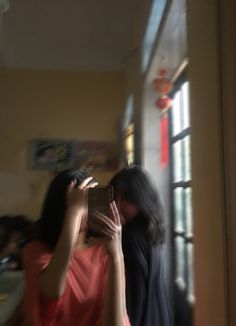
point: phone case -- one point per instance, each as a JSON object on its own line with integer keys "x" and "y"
{"x": 99, "y": 199}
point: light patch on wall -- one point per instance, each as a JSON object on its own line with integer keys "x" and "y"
{"x": 13, "y": 188}
{"x": 18, "y": 192}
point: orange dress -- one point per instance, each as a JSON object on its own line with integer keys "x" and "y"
{"x": 82, "y": 302}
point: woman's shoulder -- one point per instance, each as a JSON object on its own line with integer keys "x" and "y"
{"x": 134, "y": 233}
{"x": 35, "y": 246}
{"x": 34, "y": 250}
{"x": 136, "y": 241}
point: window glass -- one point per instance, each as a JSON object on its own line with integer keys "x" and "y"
{"x": 179, "y": 209}
{"x": 153, "y": 24}
{"x": 178, "y": 161}
{"x": 180, "y": 261}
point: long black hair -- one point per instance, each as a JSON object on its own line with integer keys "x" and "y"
{"x": 134, "y": 185}
{"x": 54, "y": 207}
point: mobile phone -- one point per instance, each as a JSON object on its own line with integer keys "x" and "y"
{"x": 99, "y": 199}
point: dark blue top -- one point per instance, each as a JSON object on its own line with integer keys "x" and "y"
{"x": 146, "y": 298}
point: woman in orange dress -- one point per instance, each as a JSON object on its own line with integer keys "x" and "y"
{"x": 70, "y": 280}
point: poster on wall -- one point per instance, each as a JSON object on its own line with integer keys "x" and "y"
{"x": 54, "y": 155}
{"x": 57, "y": 155}
{"x": 96, "y": 155}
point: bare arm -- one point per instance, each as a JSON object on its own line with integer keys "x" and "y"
{"x": 52, "y": 280}
{"x": 115, "y": 307}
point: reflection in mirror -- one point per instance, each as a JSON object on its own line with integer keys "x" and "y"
{"x": 72, "y": 79}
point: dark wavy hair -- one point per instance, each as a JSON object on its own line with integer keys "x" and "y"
{"x": 54, "y": 207}
{"x": 134, "y": 184}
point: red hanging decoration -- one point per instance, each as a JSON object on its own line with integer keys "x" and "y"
{"x": 163, "y": 103}
{"x": 163, "y": 85}
{"x": 164, "y": 140}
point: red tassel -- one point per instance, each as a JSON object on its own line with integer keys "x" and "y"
{"x": 164, "y": 140}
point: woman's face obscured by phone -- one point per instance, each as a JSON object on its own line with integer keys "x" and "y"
{"x": 127, "y": 210}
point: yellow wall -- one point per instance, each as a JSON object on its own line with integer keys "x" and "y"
{"x": 228, "y": 64}
{"x": 51, "y": 104}
{"x": 207, "y": 155}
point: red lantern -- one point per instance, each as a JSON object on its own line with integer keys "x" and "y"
{"x": 163, "y": 85}
{"x": 163, "y": 103}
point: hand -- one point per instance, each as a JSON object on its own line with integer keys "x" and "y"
{"x": 77, "y": 196}
{"x": 109, "y": 229}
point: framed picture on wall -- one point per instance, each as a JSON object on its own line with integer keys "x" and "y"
{"x": 57, "y": 155}
{"x": 49, "y": 154}
{"x": 96, "y": 155}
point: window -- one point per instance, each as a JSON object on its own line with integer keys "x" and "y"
{"x": 129, "y": 143}
{"x": 182, "y": 203}
{"x": 4, "y": 6}
{"x": 128, "y": 133}
{"x": 153, "y": 25}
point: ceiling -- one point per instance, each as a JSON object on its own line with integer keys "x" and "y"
{"x": 69, "y": 34}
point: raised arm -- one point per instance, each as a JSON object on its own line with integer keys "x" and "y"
{"x": 53, "y": 279}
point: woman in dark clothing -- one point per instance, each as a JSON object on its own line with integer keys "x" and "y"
{"x": 142, "y": 239}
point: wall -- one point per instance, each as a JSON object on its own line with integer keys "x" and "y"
{"x": 53, "y": 104}
{"x": 228, "y": 84}
{"x": 207, "y": 154}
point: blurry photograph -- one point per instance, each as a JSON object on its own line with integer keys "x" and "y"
{"x": 52, "y": 154}
{"x": 96, "y": 155}
{"x": 57, "y": 155}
